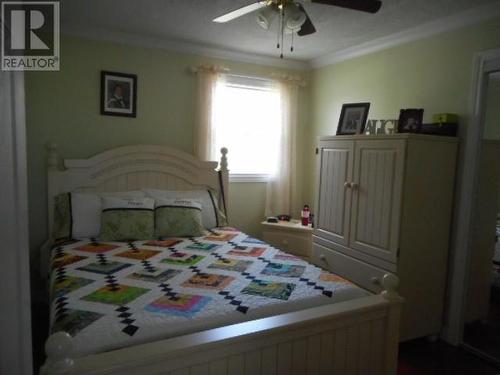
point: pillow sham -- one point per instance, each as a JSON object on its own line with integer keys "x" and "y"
{"x": 125, "y": 219}
{"x": 61, "y": 227}
{"x": 178, "y": 218}
{"x": 86, "y": 211}
{"x": 211, "y": 214}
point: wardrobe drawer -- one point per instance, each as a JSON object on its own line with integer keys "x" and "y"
{"x": 361, "y": 273}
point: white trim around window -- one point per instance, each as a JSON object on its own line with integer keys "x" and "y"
{"x": 246, "y": 112}
{"x": 240, "y": 177}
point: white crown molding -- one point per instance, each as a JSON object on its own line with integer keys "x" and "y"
{"x": 178, "y": 46}
{"x": 453, "y": 22}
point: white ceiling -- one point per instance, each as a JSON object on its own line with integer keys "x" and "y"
{"x": 190, "y": 22}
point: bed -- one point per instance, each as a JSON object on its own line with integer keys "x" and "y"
{"x": 222, "y": 303}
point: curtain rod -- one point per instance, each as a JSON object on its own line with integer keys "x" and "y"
{"x": 298, "y": 80}
{"x": 209, "y": 68}
{"x": 275, "y": 76}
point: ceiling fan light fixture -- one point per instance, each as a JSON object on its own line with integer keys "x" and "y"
{"x": 294, "y": 18}
{"x": 266, "y": 17}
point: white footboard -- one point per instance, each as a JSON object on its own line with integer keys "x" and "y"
{"x": 354, "y": 337}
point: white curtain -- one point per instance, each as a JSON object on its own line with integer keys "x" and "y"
{"x": 281, "y": 188}
{"x": 204, "y": 135}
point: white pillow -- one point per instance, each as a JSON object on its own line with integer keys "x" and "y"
{"x": 208, "y": 202}
{"x": 86, "y": 211}
{"x": 119, "y": 202}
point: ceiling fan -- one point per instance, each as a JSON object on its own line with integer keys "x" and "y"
{"x": 293, "y": 18}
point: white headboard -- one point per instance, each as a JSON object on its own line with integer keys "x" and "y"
{"x": 132, "y": 168}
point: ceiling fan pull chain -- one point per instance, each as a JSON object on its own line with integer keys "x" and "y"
{"x": 282, "y": 29}
{"x": 278, "y": 35}
{"x": 282, "y": 43}
{"x": 280, "y": 23}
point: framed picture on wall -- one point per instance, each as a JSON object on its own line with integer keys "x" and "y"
{"x": 353, "y": 118}
{"x": 118, "y": 94}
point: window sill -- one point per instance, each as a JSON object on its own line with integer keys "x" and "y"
{"x": 249, "y": 177}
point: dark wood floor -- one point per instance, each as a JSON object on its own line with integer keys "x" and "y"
{"x": 39, "y": 332}
{"x": 420, "y": 357}
{"x": 485, "y": 335}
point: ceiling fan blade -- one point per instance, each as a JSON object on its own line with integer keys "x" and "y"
{"x": 240, "y": 12}
{"x": 307, "y": 27}
{"x": 370, "y": 6}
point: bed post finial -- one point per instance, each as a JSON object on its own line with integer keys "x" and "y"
{"x": 224, "y": 180}
{"x": 53, "y": 157}
{"x": 58, "y": 348}
{"x": 390, "y": 283}
{"x": 223, "y": 159}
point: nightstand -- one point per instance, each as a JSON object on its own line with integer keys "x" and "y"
{"x": 289, "y": 236}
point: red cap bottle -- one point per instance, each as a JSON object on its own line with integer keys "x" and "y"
{"x": 304, "y": 215}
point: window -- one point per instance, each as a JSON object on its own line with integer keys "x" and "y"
{"x": 247, "y": 120}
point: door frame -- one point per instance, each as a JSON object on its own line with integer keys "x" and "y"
{"x": 485, "y": 62}
{"x": 15, "y": 325}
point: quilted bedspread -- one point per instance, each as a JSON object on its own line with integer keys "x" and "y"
{"x": 109, "y": 295}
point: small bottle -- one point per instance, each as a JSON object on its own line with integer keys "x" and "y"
{"x": 304, "y": 215}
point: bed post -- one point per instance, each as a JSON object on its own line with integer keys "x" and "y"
{"x": 58, "y": 349}
{"x": 53, "y": 157}
{"x": 224, "y": 178}
{"x": 54, "y": 165}
{"x": 390, "y": 284}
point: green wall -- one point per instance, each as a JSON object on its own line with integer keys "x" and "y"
{"x": 433, "y": 73}
{"x": 63, "y": 107}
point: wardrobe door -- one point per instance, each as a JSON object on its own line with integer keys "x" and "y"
{"x": 334, "y": 196}
{"x": 376, "y": 197}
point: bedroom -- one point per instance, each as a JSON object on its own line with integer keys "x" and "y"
{"x": 427, "y": 62}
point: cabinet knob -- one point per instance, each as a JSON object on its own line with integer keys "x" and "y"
{"x": 375, "y": 281}
{"x": 347, "y": 184}
{"x": 322, "y": 257}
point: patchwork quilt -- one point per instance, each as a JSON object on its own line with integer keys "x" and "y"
{"x": 109, "y": 295}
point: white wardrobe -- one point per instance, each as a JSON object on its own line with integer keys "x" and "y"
{"x": 384, "y": 203}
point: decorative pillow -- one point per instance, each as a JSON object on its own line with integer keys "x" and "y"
{"x": 211, "y": 215}
{"x": 86, "y": 211}
{"x": 178, "y": 218}
{"x": 125, "y": 219}
{"x": 61, "y": 229}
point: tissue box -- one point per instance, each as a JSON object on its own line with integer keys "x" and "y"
{"x": 445, "y": 118}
